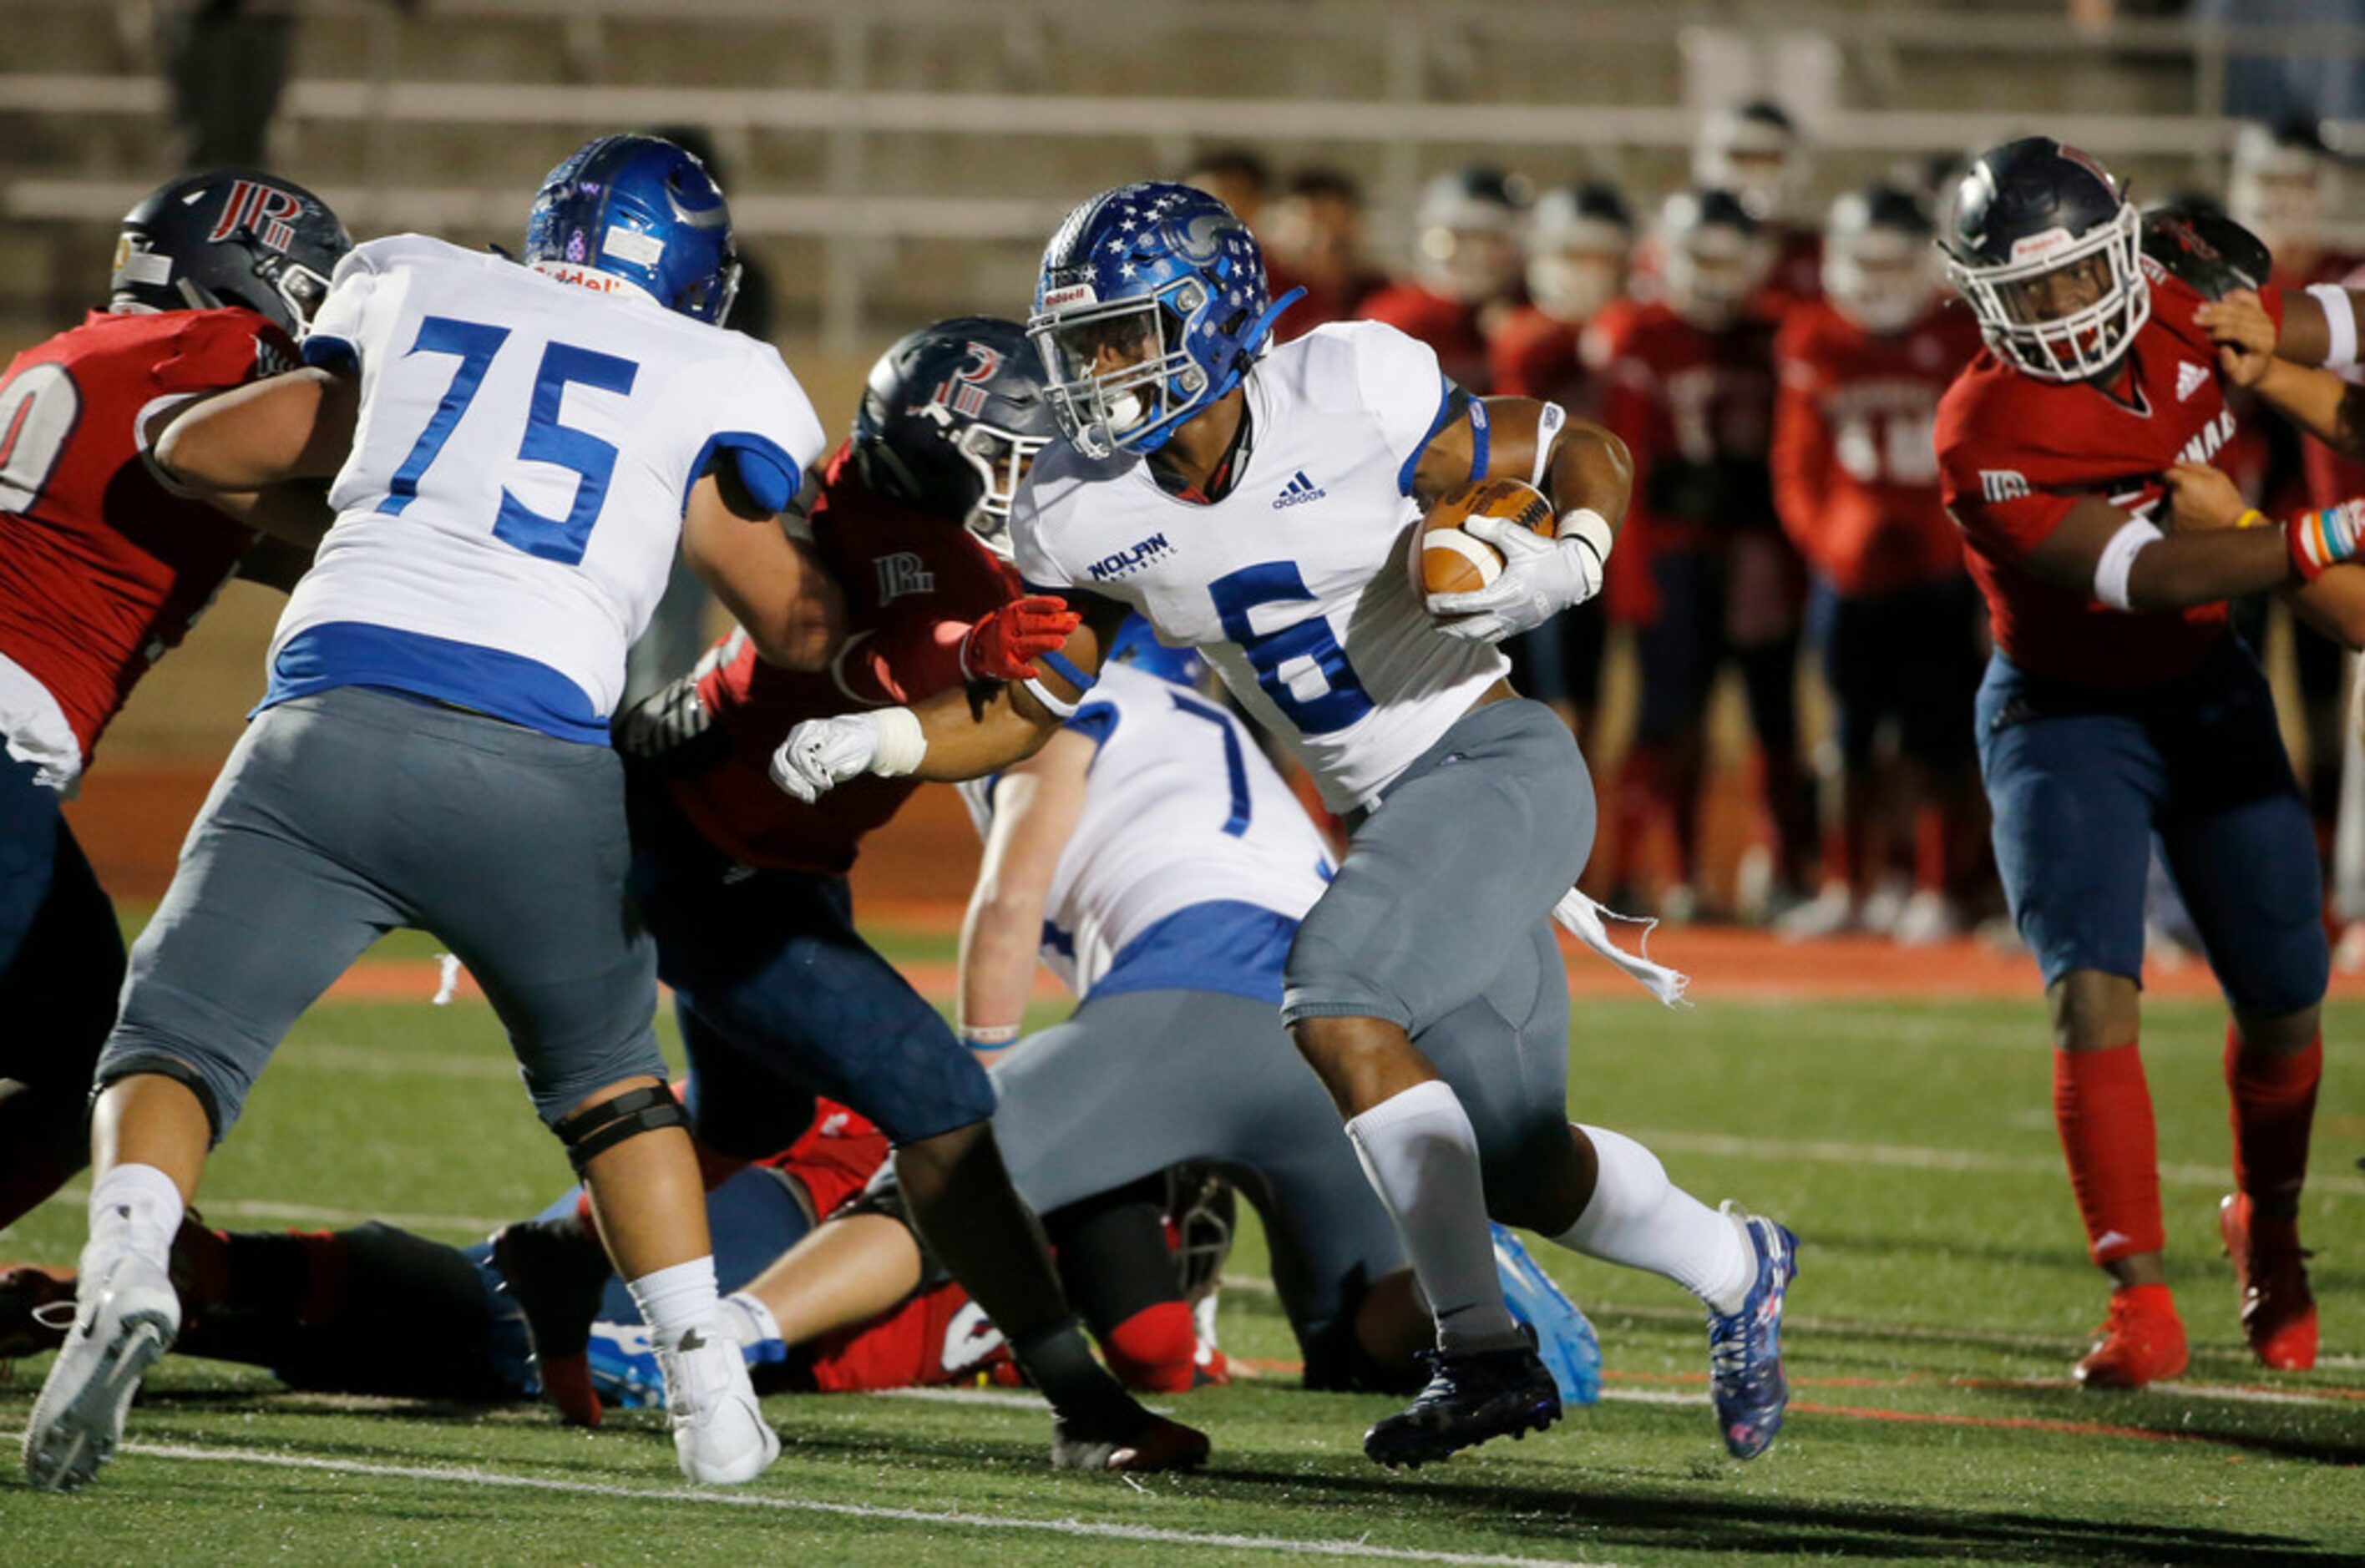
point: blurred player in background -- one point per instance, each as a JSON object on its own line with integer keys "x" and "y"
{"x": 1708, "y": 577}
{"x": 432, "y": 748}
{"x": 1315, "y": 237}
{"x": 1856, "y": 478}
{"x": 1466, "y": 273}
{"x": 745, "y": 889}
{"x": 2118, "y": 710}
{"x": 1755, "y": 151}
{"x": 102, "y": 568}
{"x": 1256, "y": 507}
{"x": 1580, "y": 239}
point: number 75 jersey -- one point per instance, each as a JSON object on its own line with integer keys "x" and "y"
{"x": 525, "y": 453}
{"x": 1293, "y": 583}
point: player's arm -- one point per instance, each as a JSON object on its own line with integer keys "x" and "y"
{"x": 2128, "y": 564}
{"x": 1036, "y": 805}
{"x": 773, "y": 586}
{"x": 298, "y": 426}
{"x": 2202, "y": 497}
{"x": 2277, "y": 361}
{"x": 1583, "y": 470}
{"x": 965, "y": 732}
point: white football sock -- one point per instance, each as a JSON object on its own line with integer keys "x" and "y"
{"x": 749, "y": 1320}
{"x": 136, "y": 1207}
{"x": 676, "y": 1300}
{"x": 1639, "y": 1218}
{"x": 1421, "y": 1154}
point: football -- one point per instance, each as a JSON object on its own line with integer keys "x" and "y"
{"x": 1450, "y": 559}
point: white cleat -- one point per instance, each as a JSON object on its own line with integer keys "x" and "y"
{"x": 126, "y": 1315}
{"x": 719, "y": 1432}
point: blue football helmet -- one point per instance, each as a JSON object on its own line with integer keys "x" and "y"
{"x": 1151, "y": 306}
{"x": 1138, "y": 645}
{"x": 951, "y": 421}
{"x": 644, "y": 212}
{"x": 2048, "y": 251}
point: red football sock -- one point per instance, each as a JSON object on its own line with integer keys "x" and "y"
{"x": 2104, "y": 1109}
{"x": 2273, "y": 1109}
{"x": 1154, "y": 1349}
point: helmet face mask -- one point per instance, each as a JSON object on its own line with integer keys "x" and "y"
{"x": 1880, "y": 269}
{"x": 1717, "y": 258}
{"x": 1151, "y": 306}
{"x": 1755, "y": 151}
{"x": 2070, "y": 311}
{"x": 1001, "y": 459}
{"x": 1580, "y": 239}
{"x": 951, "y": 421}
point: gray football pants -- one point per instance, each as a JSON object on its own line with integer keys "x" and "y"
{"x": 1440, "y": 919}
{"x": 344, "y": 815}
{"x": 1133, "y": 1084}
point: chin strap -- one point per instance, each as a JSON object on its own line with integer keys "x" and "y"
{"x": 1253, "y": 339}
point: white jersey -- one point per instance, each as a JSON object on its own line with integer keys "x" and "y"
{"x": 1294, "y": 586}
{"x": 1181, "y": 810}
{"x": 525, "y": 452}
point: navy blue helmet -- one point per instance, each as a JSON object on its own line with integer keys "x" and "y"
{"x": 637, "y": 212}
{"x": 2047, "y": 249}
{"x": 228, "y": 237}
{"x": 1880, "y": 267}
{"x": 1151, "y": 306}
{"x": 952, "y": 418}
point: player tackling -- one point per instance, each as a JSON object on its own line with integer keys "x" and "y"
{"x": 1257, "y": 509}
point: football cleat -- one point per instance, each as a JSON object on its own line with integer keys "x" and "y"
{"x": 720, "y": 1435}
{"x": 2142, "y": 1341}
{"x": 1746, "y": 1382}
{"x": 1471, "y": 1395}
{"x": 1565, "y": 1341}
{"x": 2277, "y": 1308}
{"x": 127, "y": 1317}
{"x": 1160, "y": 1444}
{"x": 556, "y": 1275}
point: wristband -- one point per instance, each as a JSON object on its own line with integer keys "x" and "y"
{"x": 1587, "y": 527}
{"x": 992, "y": 1039}
{"x": 2313, "y": 543}
{"x": 2251, "y": 518}
{"x": 902, "y": 744}
{"x": 2340, "y": 326}
{"x": 2118, "y": 561}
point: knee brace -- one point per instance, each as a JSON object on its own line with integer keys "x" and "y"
{"x": 591, "y": 1132}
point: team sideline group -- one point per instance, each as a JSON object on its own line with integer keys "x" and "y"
{"x": 1040, "y": 554}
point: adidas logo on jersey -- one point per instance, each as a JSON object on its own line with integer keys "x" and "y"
{"x": 1299, "y": 491}
{"x": 2189, "y": 378}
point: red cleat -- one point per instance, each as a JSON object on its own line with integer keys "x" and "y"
{"x": 2278, "y": 1309}
{"x": 2142, "y": 1342}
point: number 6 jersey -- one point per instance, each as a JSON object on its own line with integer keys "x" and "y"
{"x": 1293, "y": 583}
{"x": 525, "y": 453}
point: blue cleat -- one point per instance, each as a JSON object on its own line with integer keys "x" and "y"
{"x": 623, "y": 1366}
{"x": 1744, "y": 1348}
{"x": 1565, "y": 1341}
{"x": 1471, "y": 1395}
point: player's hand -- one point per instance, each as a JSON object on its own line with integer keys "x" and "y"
{"x": 2245, "y": 335}
{"x": 821, "y": 754}
{"x": 1541, "y": 578}
{"x": 2202, "y": 497}
{"x": 1005, "y": 645}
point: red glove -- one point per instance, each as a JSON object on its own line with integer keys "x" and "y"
{"x": 1007, "y": 643}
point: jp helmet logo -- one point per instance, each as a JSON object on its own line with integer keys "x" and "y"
{"x": 265, "y": 211}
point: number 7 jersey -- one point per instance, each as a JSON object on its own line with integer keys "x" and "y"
{"x": 1294, "y": 584}
{"x": 525, "y": 453}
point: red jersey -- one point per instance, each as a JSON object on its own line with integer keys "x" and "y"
{"x": 1453, "y": 330}
{"x": 1695, "y": 407}
{"x": 102, "y": 569}
{"x": 836, "y": 1158}
{"x": 1855, "y": 472}
{"x": 1796, "y": 276}
{"x": 2016, "y": 454}
{"x": 915, "y": 584}
{"x": 1536, "y": 354}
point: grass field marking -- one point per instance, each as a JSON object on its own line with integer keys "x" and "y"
{"x": 456, "y": 1475}
{"x": 1914, "y": 1157}
{"x": 308, "y": 1213}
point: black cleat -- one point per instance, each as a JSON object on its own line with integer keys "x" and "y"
{"x": 1471, "y": 1397}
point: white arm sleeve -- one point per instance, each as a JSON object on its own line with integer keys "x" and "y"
{"x": 2340, "y": 321}
{"x": 2118, "y": 559}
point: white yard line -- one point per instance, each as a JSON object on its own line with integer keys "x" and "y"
{"x": 454, "y": 1475}
{"x": 310, "y": 1214}
{"x": 1914, "y": 1157}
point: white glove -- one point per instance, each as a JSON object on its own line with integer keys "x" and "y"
{"x": 1541, "y": 578}
{"x": 821, "y": 754}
